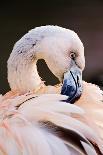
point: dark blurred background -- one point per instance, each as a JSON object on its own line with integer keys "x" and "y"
{"x": 83, "y": 16}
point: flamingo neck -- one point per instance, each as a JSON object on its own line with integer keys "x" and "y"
{"x": 23, "y": 75}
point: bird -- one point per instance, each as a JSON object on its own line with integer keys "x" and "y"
{"x": 36, "y": 119}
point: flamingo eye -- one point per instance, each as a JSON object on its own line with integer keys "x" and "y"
{"x": 72, "y": 55}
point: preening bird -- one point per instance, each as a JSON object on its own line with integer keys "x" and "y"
{"x": 36, "y": 119}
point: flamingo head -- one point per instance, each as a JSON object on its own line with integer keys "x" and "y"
{"x": 62, "y": 51}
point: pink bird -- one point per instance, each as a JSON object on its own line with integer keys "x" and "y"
{"x": 35, "y": 119}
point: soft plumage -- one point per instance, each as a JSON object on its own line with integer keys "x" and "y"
{"x": 36, "y": 119}
{"x": 33, "y": 122}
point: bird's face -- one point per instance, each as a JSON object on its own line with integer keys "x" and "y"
{"x": 64, "y": 55}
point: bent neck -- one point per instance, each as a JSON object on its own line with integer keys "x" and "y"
{"x": 22, "y": 74}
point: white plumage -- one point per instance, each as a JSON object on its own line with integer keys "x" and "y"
{"x": 34, "y": 119}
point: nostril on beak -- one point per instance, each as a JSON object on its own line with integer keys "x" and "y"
{"x": 78, "y": 81}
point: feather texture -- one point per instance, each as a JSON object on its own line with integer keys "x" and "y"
{"x": 36, "y": 124}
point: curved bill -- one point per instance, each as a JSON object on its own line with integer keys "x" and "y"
{"x": 72, "y": 84}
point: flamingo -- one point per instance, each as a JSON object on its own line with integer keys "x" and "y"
{"x": 36, "y": 119}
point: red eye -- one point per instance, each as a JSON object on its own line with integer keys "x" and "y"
{"x": 72, "y": 55}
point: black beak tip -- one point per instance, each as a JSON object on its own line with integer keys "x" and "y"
{"x": 72, "y": 94}
{"x": 67, "y": 89}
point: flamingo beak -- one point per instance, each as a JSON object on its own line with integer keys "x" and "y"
{"x": 72, "y": 84}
